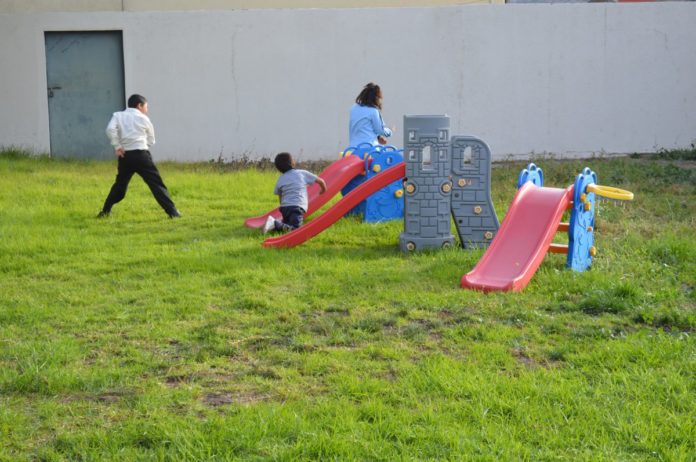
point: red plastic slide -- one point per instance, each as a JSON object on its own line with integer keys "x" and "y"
{"x": 336, "y": 175}
{"x": 522, "y": 240}
{"x": 340, "y": 208}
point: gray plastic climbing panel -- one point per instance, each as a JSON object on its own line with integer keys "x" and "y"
{"x": 471, "y": 204}
{"x": 427, "y": 186}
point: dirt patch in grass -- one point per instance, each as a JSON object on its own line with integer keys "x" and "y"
{"x": 200, "y": 377}
{"x": 532, "y": 363}
{"x": 173, "y": 381}
{"x": 107, "y": 397}
{"x": 524, "y": 359}
{"x": 217, "y": 399}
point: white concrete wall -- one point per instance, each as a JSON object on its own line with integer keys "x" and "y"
{"x": 35, "y": 6}
{"x": 571, "y": 79}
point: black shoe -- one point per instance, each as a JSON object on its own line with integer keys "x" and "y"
{"x": 103, "y": 214}
{"x": 175, "y": 214}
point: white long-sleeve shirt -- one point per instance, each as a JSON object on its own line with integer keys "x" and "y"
{"x": 130, "y": 129}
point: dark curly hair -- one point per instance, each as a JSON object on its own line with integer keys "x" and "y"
{"x": 371, "y": 96}
{"x": 283, "y": 162}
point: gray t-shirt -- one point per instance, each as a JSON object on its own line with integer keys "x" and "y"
{"x": 292, "y": 188}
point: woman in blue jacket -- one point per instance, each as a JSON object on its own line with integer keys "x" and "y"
{"x": 366, "y": 124}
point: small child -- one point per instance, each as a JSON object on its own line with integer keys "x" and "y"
{"x": 291, "y": 188}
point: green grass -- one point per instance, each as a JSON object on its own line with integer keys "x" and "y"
{"x": 137, "y": 337}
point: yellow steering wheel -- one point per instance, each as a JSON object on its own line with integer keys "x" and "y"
{"x": 608, "y": 191}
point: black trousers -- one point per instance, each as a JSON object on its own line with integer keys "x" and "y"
{"x": 139, "y": 161}
{"x": 293, "y": 217}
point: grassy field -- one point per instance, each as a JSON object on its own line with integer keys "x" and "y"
{"x": 138, "y": 337}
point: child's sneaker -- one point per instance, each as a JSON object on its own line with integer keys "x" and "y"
{"x": 269, "y": 225}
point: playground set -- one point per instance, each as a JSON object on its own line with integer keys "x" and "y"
{"x": 437, "y": 177}
{"x": 529, "y": 227}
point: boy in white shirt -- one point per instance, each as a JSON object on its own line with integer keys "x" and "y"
{"x": 131, "y": 134}
{"x": 291, "y": 188}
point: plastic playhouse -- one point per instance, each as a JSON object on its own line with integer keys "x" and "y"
{"x": 387, "y": 203}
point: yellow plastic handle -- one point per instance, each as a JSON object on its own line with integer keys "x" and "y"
{"x": 611, "y": 193}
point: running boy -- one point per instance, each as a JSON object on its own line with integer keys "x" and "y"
{"x": 131, "y": 134}
{"x": 291, "y": 188}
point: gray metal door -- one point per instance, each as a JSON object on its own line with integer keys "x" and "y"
{"x": 85, "y": 86}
